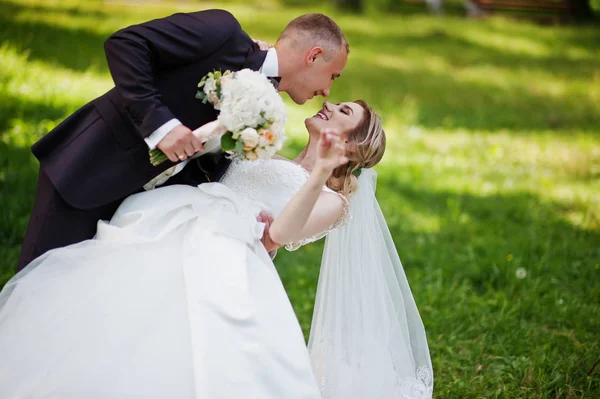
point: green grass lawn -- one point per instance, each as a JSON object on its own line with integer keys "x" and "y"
{"x": 493, "y": 165}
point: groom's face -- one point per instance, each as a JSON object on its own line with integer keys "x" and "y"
{"x": 315, "y": 76}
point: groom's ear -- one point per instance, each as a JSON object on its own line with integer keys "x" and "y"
{"x": 313, "y": 54}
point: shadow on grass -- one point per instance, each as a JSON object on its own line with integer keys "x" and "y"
{"x": 442, "y": 101}
{"x": 466, "y": 253}
{"x": 475, "y": 234}
{"x": 76, "y": 49}
{"x": 11, "y": 8}
{"x": 456, "y": 95}
{"x": 461, "y": 52}
{"x": 443, "y": 98}
{"x": 15, "y": 109}
{"x": 18, "y": 177}
{"x": 23, "y": 121}
{"x": 585, "y": 35}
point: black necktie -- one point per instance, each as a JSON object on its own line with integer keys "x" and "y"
{"x": 275, "y": 81}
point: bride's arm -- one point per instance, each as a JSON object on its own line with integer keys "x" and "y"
{"x": 312, "y": 210}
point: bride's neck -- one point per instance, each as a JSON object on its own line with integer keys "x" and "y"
{"x": 308, "y": 156}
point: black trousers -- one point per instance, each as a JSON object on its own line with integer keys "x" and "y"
{"x": 54, "y": 223}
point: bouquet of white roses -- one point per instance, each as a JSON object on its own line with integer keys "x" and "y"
{"x": 252, "y": 114}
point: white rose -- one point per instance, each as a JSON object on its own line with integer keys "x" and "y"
{"x": 210, "y": 85}
{"x": 212, "y": 96}
{"x": 226, "y": 78}
{"x": 277, "y": 127}
{"x": 263, "y": 153}
{"x": 250, "y": 138}
{"x": 251, "y": 156}
{"x": 263, "y": 140}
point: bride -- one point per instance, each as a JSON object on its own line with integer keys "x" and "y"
{"x": 176, "y": 297}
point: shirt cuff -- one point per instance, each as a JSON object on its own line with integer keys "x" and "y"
{"x": 160, "y": 133}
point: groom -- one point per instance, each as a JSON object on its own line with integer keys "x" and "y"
{"x": 99, "y": 155}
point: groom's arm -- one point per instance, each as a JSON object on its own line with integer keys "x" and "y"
{"x": 136, "y": 53}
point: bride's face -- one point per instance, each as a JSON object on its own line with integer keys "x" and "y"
{"x": 342, "y": 117}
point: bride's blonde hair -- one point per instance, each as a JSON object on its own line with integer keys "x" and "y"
{"x": 365, "y": 145}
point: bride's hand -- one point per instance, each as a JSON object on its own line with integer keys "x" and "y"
{"x": 331, "y": 152}
{"x": 264, "y": 46}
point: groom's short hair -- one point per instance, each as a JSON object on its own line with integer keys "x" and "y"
{"x": 319, "y": 27}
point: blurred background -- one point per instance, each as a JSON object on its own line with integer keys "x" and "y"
{"x": 490, "y": 184}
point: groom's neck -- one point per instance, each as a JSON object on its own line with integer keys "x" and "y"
{"x": 288, "y": 60}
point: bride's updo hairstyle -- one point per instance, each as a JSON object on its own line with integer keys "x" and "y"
{"x": 365, "y": 145}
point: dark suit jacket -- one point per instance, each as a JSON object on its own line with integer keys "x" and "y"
{"x": 98, "y": 155}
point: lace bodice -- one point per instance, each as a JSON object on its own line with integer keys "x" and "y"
{"x": 268, "y": 185}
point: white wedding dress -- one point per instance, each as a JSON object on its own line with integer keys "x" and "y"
{"x": 174, "y": 298}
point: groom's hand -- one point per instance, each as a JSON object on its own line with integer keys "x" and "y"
{"x": 270, "y": 245}
{"x": 180, "y": 144}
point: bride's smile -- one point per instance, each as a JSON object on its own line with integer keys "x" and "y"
{"x": 342, "y": 117}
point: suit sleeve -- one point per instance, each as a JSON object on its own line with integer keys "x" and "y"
{"x": 135, "y": 55}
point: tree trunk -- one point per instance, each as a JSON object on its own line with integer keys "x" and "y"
{"x": 582, "y": 9}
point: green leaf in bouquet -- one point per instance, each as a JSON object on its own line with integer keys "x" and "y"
{"x": 202, "y": 82}
{"x": 200, "y": 95}
{"x": 239, "y": 146}
{"x": 219, "y": 90}
{"x": 261, "y": 126}
{"x": 227, "y": 142}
